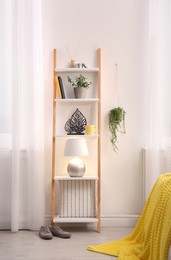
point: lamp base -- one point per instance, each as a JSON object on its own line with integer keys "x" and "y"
{"x": 76, "y": 167}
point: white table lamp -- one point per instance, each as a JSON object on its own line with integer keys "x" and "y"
{"x": 76, "y": 147}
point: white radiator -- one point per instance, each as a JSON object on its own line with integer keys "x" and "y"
{"x": 162, "y": 162}
{"x": 76, "y": 199}
{"x": 5, "y": 187}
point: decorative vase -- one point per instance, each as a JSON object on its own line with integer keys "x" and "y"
{"x": 80, "y": 92}
{"x": 73, "y": 64}
{"x": 90, "y": 130}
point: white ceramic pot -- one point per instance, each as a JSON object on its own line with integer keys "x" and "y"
{"x": 80, "y": 92}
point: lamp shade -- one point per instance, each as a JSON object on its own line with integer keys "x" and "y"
{"x": 76, "y": 147}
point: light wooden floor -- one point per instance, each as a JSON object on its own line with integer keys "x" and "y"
{"x": 27, "y": 245}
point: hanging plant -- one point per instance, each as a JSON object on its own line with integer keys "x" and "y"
{"x": 116, "y": 124}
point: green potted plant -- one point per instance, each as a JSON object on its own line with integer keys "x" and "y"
{"x": 116, "y": 124}
{"x": 80, "y": 85}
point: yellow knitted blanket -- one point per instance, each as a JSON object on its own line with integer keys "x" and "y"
{"x": 151, "y": 237}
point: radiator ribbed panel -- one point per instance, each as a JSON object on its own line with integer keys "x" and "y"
{"x": 163, "y": 160}
{"x": 5, "y": 185}
{"x": 166, "y": 161}
{"x": 76, "y": 199}
{"x": 6, "y": 188}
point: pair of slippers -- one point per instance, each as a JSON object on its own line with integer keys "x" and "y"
{"x": 48, "y": 232}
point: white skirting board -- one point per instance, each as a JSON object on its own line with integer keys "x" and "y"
{"x": 119, "y": 221}
{"x": 110, "y": 221}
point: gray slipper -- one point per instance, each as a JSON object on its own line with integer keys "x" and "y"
{"x": 58, "y": 232}
{"x": 45, "y": 233}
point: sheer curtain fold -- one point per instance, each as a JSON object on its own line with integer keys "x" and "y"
{"x": 158, "y": 146}
{"x": 25, "y": 87}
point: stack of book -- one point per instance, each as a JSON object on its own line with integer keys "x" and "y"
{"x": 60, "y": 87}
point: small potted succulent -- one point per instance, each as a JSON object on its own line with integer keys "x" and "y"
{"x": 116, "y": 124}
{"x": 80, "y": 85}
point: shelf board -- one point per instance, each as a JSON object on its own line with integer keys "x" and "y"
{"x": 64, "y": 70}
{"x": 76, "y": 136}
{"x": 74, "y": 220}
{"x": 76, "y": 100}
{"x": 68, "y": 178}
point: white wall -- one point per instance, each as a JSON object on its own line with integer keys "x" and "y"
{"x": 116, "y": 26}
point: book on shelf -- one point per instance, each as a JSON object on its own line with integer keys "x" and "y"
{"x": 61, "y": 87}
{"x": 58, "y": 88}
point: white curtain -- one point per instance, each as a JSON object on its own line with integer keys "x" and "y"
{"x": 21, "y": 115}
{"x": 158, "y": 107}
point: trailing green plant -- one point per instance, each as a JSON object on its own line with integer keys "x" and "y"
{"x": 80, "y": 81}
{"x": 116, "y": 124}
